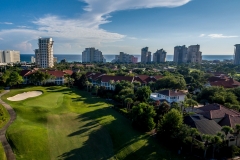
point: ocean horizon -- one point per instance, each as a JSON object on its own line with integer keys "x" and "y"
{"x": 110, "y": 57}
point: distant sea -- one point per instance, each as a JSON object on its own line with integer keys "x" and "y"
{"x": 109, "y": 58}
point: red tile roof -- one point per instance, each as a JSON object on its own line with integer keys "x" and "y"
{"x": 94, "y": 76}
{"x": 230, "y": 120}
{"x": 171, "y": 93}
{"x": 107, "y": 78}
{"x": 69, "y": 72}
{"x": 216, "y": 111}
{"x": 146, "y": 78}
{"x": 230, "y": 83}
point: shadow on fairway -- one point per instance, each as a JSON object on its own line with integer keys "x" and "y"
{"x": 111, "y": 137}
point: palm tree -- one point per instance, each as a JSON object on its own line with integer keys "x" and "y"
{"x": 191, "y": 103}
{"x": 136, "y": 84}
{"x": 129, "y": 101}
{"x": 207, "y": 139}
{"x": 193, "y": 133}
{"x": 237, "y": 128}
{"x": 87, "y": 83}
{"x": 216, "y": 141}
{"x": 226, "y": 130}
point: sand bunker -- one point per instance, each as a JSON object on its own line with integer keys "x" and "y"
{"x": 24, "y": 95}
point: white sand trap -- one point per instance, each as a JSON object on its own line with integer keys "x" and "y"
{"x": 24, "y": 95}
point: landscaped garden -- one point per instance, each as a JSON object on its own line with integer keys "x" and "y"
{"x": 65, "y": 123}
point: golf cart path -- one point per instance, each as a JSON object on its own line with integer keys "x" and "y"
{"x": 7, "y": 148}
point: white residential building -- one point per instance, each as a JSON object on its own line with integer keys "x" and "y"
{"x": 44, "y": 54}
{"x": 90, "y": 55}
{"x": 169, "y": 96}
{"x": 9, "y": 56}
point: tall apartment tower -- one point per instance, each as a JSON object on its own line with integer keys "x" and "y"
{"x": 44, "y": 53}
{"x": 145, "y": 55}
{"x": 237, "y": 54}
{"x": 90, "y": 55}
{"x": 180, "y": 54}
{"x": 9, "y": 56}
{"x": 194, "y": 54}
{"x": 159, "y": 56}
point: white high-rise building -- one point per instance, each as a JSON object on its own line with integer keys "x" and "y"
{"x": 237, "y": 54}
{"x": 90, "y": 55}
{"x": 194, "y": 54}
{"x": 145, "y": 55}
{"x": 9, "y": 56}
{"x": 44, "y": 54}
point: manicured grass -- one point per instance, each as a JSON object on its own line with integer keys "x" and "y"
{"x": 2, "y": 153}
{"x": 66, "y": 123}
{"x": 4, "y": 116}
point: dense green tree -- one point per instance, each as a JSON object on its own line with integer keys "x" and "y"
{"x": 82, "y": 81}
{"x": 143, "y": 94}
{"x": 171, "y": 82}
{"x": 14, "y": 79}
{"x": 39, "y": 77}
{"x": 143, "y": 115}
{"x": 237, "y": 129}
{"x": 191, "y": 103}
{"x": 193, "y": 133}
{"x": 128, "y": 101}
{"x": 170, "y": 124}
{"x": 207, "y": 141}
{"x": 122, "y": 85}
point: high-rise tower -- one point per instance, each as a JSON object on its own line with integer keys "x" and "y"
{"x": 44, "y": 53}
{"x": 237, "y": 54}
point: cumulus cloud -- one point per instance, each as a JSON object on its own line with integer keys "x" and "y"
{"x": 220, "y": 36}
{"x": 6, "y": 23}
{"x": 201, "y": 35}
{"x": 84, "y": 31}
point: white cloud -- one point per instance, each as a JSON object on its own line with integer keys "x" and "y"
{"x": 23, "y": 27}
{"x": 220, "y": 36}
{"x": 84, "y": 31}
{"x": 201, "y": 35}
{"x": 1, "y": 38}
{"x": 6, "y": 23}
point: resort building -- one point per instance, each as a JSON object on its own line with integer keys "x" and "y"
{"x": 44, "y": 53}
{"x": 180, "y": 54}
{"x": 90, "y": 55}
{"x": 145, "y": 55}
{"x": 9, "y": 56}
{"x": 237, "y": 54}
{"x": 125, "y": 58}
{"x": 194, "y": 54}
{"x": 159, "y": 56}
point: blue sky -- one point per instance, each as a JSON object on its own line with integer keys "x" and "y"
{"x": 114, "y": 26}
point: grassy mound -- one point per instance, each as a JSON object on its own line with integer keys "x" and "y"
{"x": 66, "y": 123}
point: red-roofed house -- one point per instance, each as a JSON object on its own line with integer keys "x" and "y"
{"x": 222, "y": 80}
{"x": 145, "y": 79}
{"x": 58, "y": 79}
{"x": 106, "y": 79}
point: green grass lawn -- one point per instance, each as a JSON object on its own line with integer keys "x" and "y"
{"x": 4, "y": 118}
{"x": 67, "y": 123}
{"x": 2, "y": 153}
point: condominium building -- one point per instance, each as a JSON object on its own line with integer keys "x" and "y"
{"x": 125, "y": 58}
{"x": 9, "y": 56}
{"x": 145, "y": 55}
{"x": 237, "y": 54}
{"x": 90, "y": 55}
{"x": 159, "y": 56}
{"x": 180, "y": 54}
{"x": 44, "y": 53}
{"x": 194, "y": 54}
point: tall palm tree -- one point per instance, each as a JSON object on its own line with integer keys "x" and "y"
{"x": 207, "y": 139}
{"x": 193, "y": 133}
{"x": 129, "y": 101}
{"x": 191, "y": 103}
{"x": 216, "y": 141}
{"x": 237, "y": 128}
{"x": 227, "y": 130}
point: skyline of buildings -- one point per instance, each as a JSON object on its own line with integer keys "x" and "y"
{"x": 91, "y": 54}
{"x": 44, "y": 54}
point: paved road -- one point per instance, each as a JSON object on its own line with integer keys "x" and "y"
{"x": 8, "y": 150}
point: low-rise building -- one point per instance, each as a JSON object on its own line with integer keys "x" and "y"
{"x": 169, "y": 95}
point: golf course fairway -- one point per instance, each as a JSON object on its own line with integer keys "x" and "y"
{"x": 65, "y": 123}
